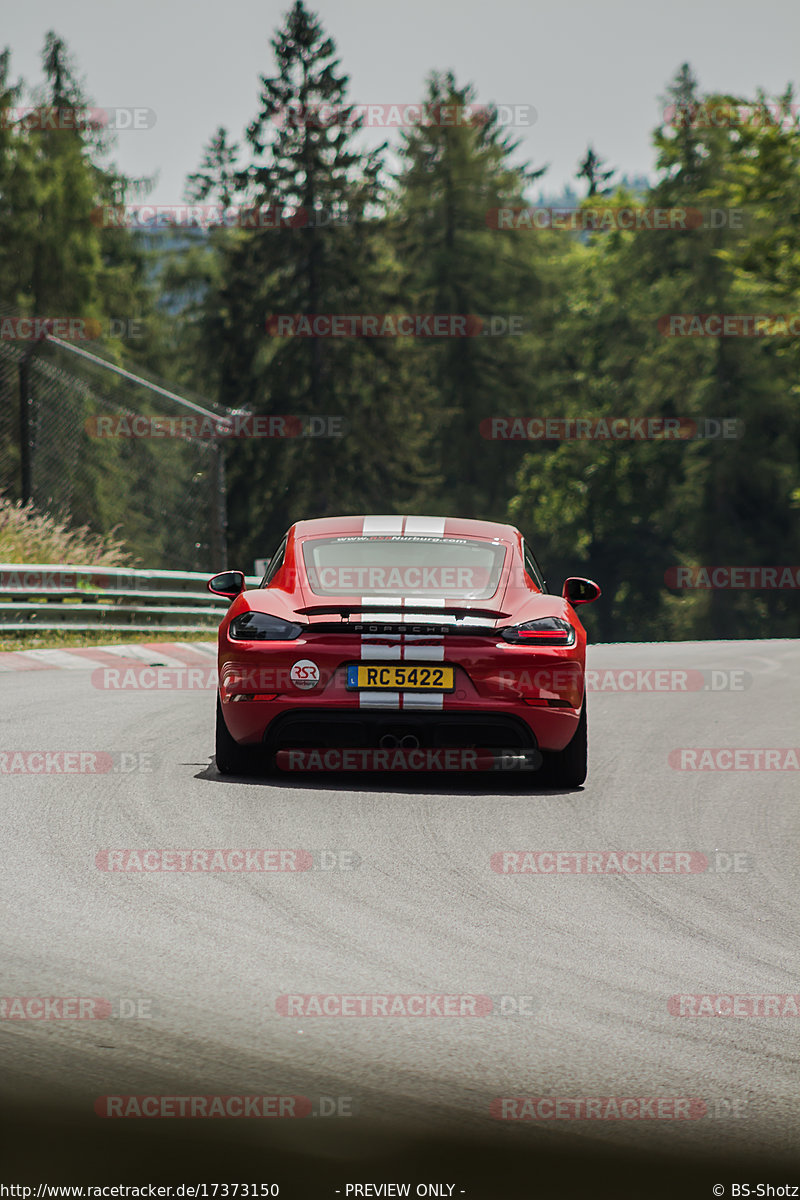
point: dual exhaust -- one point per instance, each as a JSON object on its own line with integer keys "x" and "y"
{"x": 390, "y": 741}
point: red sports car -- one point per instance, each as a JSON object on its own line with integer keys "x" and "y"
{"x": 402, "y": 643}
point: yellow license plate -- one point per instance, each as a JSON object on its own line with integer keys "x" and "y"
{"x": 416, "y": 677}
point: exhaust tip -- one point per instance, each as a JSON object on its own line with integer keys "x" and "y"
{"x": 406, "y": 741}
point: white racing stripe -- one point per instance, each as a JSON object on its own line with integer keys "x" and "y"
{"x": 395, "y": 647}
{"x": 391, "y": 609}
{"x": 429, "y": 700}
{"x": 379, "y": 700}
{"x": 377, "y": 646}
{"x": 383, "y": 525}
{"x": 424, "y": 527}
{"x": 417, "y": 648}
{"x": 414, "y": 602}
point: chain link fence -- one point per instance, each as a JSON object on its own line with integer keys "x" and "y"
{"x": 92, "y": 444}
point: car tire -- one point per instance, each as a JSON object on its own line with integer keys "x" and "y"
{"x": 231, "y": 758}
{"x": 567, "y": 768}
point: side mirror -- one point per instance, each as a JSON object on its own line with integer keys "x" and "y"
{"x": 229, "y": 584}
{"x": 580, "y": 591}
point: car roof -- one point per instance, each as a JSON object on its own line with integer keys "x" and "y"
{"x": 405, "y": 526}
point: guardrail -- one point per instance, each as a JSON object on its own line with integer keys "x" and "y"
{"x": 119, "y": 599}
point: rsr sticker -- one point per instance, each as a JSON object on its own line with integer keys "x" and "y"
{"x": 304, "y": 674}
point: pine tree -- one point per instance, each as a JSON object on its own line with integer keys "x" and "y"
{"x": 632, "y": 510}
{"x": 329, "y": 255}
{"x": 591, "y": 169}
{"x": 453, "y": 177}
{"x": 56, "y": 260}
{"x": 218, "y": 174}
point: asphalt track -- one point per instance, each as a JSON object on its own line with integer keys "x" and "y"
{"x": 592, "y": 959}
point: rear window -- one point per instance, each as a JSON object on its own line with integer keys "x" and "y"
{"x": 446, "y": 568}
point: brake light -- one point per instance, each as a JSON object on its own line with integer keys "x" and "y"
{"x": 545, "y": 631}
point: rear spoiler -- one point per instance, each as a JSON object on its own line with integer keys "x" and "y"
{"x": 346, "y": 610}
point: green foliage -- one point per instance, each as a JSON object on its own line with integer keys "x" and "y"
{"x": 452, "y": 177}
{"x": 27, "y": 536}
{"x": 631, "y": 510}
{"x": 337, "y": 259}
{"x": 593, "y": 342}
{"x": 591, "y": 169}
{"x": 57, "y": 259}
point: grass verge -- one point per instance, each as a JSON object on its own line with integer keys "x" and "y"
{"x": 56, "y": 639}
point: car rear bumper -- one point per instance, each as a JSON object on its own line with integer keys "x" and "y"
{"x": 334, "y": 728}
{"x": 503, "y": 695}
{"x": 280, "y": 725}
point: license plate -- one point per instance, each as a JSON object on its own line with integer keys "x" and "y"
{"x": 405, "y": 678}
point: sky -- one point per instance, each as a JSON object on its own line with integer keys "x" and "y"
{"x": 593, "y": 70}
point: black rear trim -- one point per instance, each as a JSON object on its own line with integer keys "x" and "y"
{"x": 377, "y": 606}
{"x": 369, "y": 627}
{"x": 337, "y": 728}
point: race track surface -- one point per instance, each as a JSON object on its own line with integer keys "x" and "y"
{"x": 406, "y": 901}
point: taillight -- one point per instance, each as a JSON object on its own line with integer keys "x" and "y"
{"x": 545, "y": 631}
{"x": 261, "y": 627}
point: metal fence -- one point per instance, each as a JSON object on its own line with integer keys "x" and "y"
{"x": 57, "y": 596}
{"x": 68, "y": 442}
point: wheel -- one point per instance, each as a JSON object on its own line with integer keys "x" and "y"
{"x": 232, "y": 759}
{"x": 567, "y": 768}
